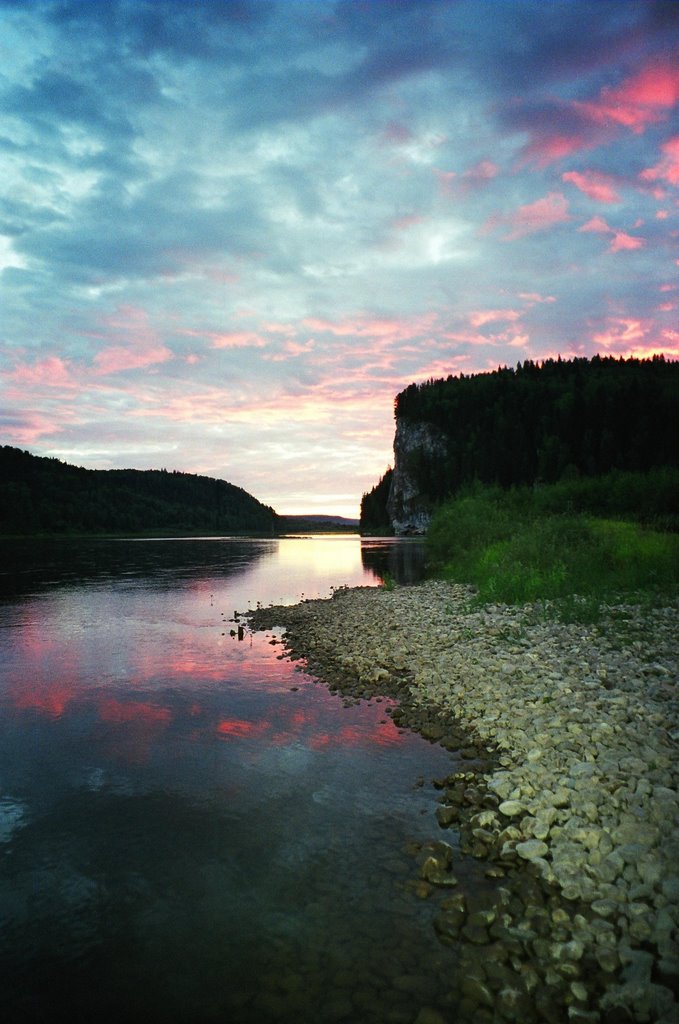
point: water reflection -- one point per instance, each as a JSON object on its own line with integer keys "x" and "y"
{"x": 191, "y": 829}
{"x": 29, "y": 566}
{"x": 403, "y": 559}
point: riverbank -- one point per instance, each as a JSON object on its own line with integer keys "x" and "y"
{"x": 569, "y": 737}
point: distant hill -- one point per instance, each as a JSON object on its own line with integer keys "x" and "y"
{"x": 538, "y": 423}
{"x": 42, "y": 495}
{"x": 317, "y": 524}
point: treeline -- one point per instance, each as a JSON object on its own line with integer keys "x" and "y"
{"x": 42, "y": 495}
{"x": 374, "y": 516}
{"x": 543, "y": 422}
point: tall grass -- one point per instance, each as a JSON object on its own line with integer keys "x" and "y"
{"x": 527, "y": 545}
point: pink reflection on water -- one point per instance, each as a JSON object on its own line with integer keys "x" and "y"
{"x": 310, "y": 727}
{"x": 112, "y": 710}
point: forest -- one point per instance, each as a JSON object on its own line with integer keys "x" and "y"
{"x": 538, "y": 424}
{"x": 47, "y": 496}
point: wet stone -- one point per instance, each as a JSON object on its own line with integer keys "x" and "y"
{"x": 476, "y": 933}
{"x": 447, "y": 815}
{"x": 477, "y": 992}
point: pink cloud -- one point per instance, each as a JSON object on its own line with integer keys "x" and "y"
{"x": 625, "y": 335}
{"x": 51, "y": 371}
{"x": 620, "y": 240}
{"x": 549, "y": 149}
{"x": 668, "y": 167}
{"x": 228, "y": 339}
{"x": 534, "y": 297}
{"x": 486, "y": 316}
{"x": 594, "y": 184}
{"x": 117, "y": 358}
{"x": 236, "y": 339}
{"x": 596, "y": 224}
{"x": 291, "y": 350}
{"x": 28, "y": 427}
{"x": 451, "y": 184}
{"x": 640, "y": 100}
{"x": 538, "y": 216}
{"x": 327, "y": 326}
{"x": 378, "y": 328}
{"x": 273, "y": 327}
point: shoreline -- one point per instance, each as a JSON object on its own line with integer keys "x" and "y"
{"x": 568, "y": 735}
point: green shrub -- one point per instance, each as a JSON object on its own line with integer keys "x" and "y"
{"x": 518, "y": 546}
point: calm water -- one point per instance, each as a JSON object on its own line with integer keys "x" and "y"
{"x": 191, "y": 829}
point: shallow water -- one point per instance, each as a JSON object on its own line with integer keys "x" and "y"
{"x": 190, "y": 828}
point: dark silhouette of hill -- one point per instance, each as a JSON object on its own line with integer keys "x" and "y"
{"x": 43, "y": 495}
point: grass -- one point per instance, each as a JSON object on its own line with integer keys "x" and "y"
{"x": 388, "y": 581}
{"x": 528, "y": 545}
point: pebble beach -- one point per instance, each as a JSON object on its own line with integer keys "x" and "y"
{"x": 564, "y": 740}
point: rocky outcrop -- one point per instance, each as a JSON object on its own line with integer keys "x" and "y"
{"x": 417, "y": 448}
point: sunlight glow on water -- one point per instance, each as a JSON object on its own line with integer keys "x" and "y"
{"x": 190, "y": 828}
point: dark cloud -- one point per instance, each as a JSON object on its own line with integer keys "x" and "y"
{"x": 151, "y": 234}
{"x": 171, "y": 27}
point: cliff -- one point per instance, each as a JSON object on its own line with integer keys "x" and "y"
{"x": 418, "y": 448}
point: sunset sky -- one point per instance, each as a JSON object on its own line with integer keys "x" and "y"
{"x": 232, "y": 230}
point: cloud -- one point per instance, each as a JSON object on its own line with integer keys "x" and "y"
{"x": 640, "y": 100}
{"x": 634, "y": 338}
{"x": 51, "y": 372}
{"x": 539, "y": 215}
{"x": 548, "y": 147}
{"x": 594, "y": 184}
{"x": 620, "y": 240}
{"x": 230, "y": 232}
{"x": 118, "y": 358}
{"x": 487, "y": 316}
{"x": 560, "y": 127}
{"x": 668, "y": 167}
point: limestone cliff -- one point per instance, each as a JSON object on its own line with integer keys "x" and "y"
{"x": 417, "y": 448}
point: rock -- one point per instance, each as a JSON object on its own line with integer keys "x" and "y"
{"x": 446, "y": 815}
{"x": 531, "y": 848}
{"x": 476, "y": 933}
{"x": 511, "y": 808}
{"x": 477, "y": 992}
{"x": 448, "y": 924}
{"x": 427, "y": 1015}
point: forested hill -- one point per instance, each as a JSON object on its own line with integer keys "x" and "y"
{"x": 536, "y": 423}
{"x": 39, "y": 495}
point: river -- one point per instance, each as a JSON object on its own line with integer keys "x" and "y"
{"x": 192, "y": 829}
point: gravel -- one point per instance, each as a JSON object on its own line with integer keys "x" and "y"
{"x": 569, "y": 738}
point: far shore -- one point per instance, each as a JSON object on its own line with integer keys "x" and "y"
{"x": 567, "y": 789}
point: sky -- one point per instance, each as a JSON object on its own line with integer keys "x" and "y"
{"x": 231, "y": 231}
